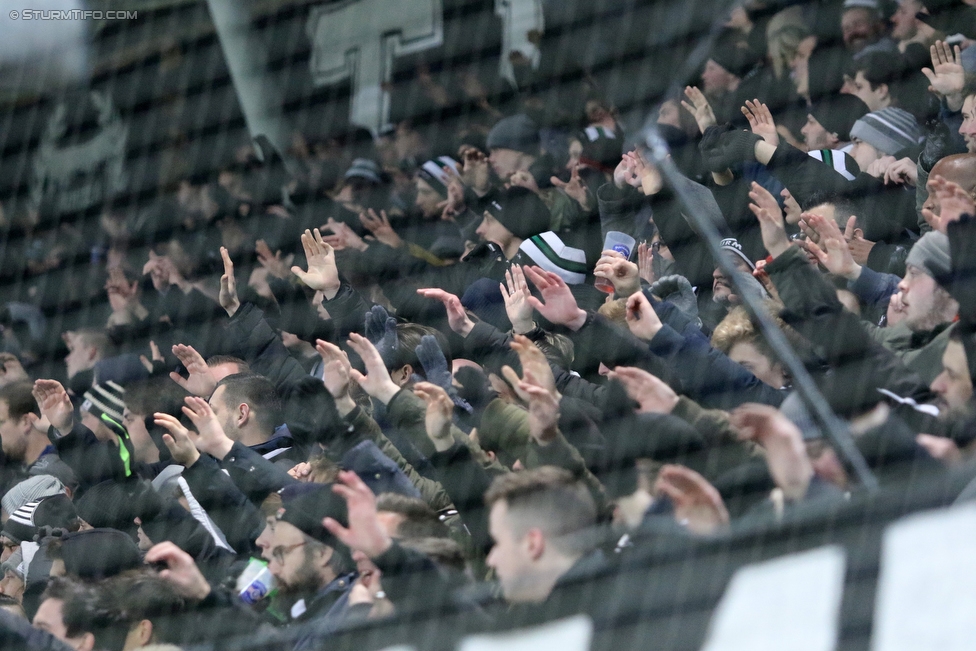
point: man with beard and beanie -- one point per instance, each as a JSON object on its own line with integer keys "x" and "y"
{"x": 308, "y": 562}
{"x": 517, "y": 159}
{"x": 827, "y": 132}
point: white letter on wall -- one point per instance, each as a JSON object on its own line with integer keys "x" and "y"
{"x": 522, "y": 22}
{"x": 359, "y": 39}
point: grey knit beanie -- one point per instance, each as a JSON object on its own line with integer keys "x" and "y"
{"x": 516, "y": 132}
{"x": 931, "y": 255}
{"x": 30, "y": 490}
{"x": 889, "y": 130}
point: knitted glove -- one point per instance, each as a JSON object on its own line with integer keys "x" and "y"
{"x": 747, "y": 284}
{"x": 738, "y": 146}
{"x": 381, "y": 332}
{"x": 678, "y": 291}
{"x": 711, "y": 148}
{"x": 435, "y": 368}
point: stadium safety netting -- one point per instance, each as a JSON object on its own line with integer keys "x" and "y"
{"x": 488, "y": 324}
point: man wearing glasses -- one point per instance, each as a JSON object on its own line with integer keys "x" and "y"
{"x": 308, "y": 563}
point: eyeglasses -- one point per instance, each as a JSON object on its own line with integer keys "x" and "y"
{"x": 278, "y": 553}
{"x": 655, "y": 246}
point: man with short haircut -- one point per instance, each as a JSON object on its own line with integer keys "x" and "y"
{"x": 66, "y": 612}
{"x": 872, "y": 77}
{"x": 85, "y": 348}
{"x": 968, "y": 127}
{"x": 223, "y": 365}
{"x": 24, "y": 442}
{"x": 143, "y": 608}
{"x": 249, "y": 410}
{"x": 539, "y": 521}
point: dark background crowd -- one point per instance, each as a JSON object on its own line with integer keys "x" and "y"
{"x": 457, "y": 367}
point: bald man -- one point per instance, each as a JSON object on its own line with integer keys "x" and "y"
{"x": 958, "y": 168}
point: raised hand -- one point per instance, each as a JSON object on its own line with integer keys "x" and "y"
{"x": 860, "y": 247}
{"x": 156, "y": 356}
{"x": 832, "y": 251}
{"x": 651, "y": 180}
{"x": 54, "y": 404}
{"x": 475, "y": 171}
{"x": 343, "y": 237}
{"x": 902, "y": 172}
{"x": 440, "y": 411}
{"x": 645, "y": 262}
{"x": 879, "y": 168}
{"x": 771, "y": 223}
{"x": 212, "y": 439}
{"x": 336, "y": 375}
{"x": 699, "y": 108}
{"x": 697, "y": 504}
{"x": 524, "y": 179}
{"x": 543, "y": 412}
{"x": 560, "y": 305}
{"x": 946, "y": 77}
{"x": 271, "y": 261}
{"x": 322, "y": 274}
{"x": 622, "y": 273}
{"x": 181, "y": 572}
{"x": 365, "y": 533}
{"x": 761, "y": 121}
{"x": 377, "y": 382}
{"x": 379, "y": 226}
{"x": 228, "y": 285}
{"x": 786, "y": 454}
{"x": 535, "y": 366}
{"x": 575, "y": 188}
{"x": 650, "y": 392}
{"x": 457, "y": 317}
{"x": 455, "y": 195}
{"x": 201, "y": 381}
{"x": 953, "y": 202}
{"x": 121, "y": 293}
{"x": 179, "y": 440}
{"x": 642, "y": 321}
{"x": 626, "y": 174}
{"x": 515, "y": 292}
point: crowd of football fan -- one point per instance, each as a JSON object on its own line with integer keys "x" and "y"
{"x": 384, "y": 366}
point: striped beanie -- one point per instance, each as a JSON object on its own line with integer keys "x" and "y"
{"x": 434, "y": 172}
{"x": 54, "y": 511}
{"x": 30, "y": 490}
{"x": 105, "y": 402}
{"x": 889, "y": 130}
{"x": 552, "y": 254}
{"x": 106, "y": 398}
